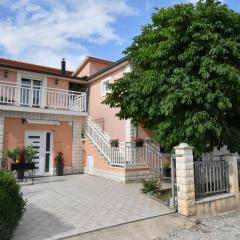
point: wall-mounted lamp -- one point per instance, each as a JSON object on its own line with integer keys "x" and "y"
{"x": 5, "y": 73}
{"x": 56, "y": 81}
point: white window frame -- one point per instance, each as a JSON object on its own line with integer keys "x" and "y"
{"x": 33, "y": 76}
{"x": 104, "y": 91}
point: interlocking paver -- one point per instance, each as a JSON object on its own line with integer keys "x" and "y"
{"x": 63, "y": 206}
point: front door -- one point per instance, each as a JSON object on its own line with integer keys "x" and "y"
{"x": 42, "y": 143}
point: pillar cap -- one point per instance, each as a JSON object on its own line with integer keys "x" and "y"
{"x": 183, "y": 146}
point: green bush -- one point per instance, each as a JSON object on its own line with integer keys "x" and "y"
{"x": 12, "y": 205}
{"x": 151, "y": 186}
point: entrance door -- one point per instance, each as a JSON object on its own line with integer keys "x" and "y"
{"x": 42, "y": 143}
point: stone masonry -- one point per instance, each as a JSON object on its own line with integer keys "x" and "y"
{"x": 130, "y": 131}
{"x": 232, "y": 161}
{"x": 77, "y": 148}
{"x": 185, "y": 180}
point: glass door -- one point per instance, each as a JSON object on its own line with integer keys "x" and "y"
{"x": 31, "y": 93}
{"x": 41, "y": 141}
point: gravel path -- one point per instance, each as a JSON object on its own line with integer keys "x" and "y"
{"x": 222, "y": 227}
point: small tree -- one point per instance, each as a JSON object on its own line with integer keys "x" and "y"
{"x": 185, "y": 83}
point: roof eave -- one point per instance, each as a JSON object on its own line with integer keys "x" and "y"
{"x": 108, "y": 68}
{"x": 42, "y": 72}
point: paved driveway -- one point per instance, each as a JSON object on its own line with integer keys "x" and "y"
{"x": 63, "y": 206}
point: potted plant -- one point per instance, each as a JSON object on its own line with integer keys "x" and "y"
{"x": 13, "y": 154}
{"x": 114, "y": 142}
{"x": 30, "y": 154}
{"x": 22, "y": 160}
{"x": 166, "y": 169}
{"x": 17, "y": 159}
{"x": 59, "y": 164}
{"x": 139, "y": 142}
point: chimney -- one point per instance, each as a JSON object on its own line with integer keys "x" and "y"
{"x": 63, "y": 66}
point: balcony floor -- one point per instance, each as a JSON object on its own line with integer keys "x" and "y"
{"x": 8, "y": 107}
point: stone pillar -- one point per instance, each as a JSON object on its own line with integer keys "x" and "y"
{"x": 1, "y": 137}
{"x": 233, "y": 176}
{"x": 77, "y": 148}
{"x": 185, "y": 180}
{"x": 130, "y": 131}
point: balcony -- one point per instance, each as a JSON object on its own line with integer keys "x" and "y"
{"x": 39, "y": 99}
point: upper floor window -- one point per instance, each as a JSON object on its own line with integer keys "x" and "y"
{"x": 105, "y": 86}
{"x": 30, "y": 91}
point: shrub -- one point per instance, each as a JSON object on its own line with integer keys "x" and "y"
{"x": 151, "y": 186}
{"x": 12, "y": 205}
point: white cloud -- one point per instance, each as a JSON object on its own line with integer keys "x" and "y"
{"x": 44, "y": 31}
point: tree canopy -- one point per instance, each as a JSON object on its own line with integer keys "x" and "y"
{"x": 185, "y": 78}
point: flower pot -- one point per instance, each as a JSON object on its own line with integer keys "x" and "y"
{"x": 20, "y": 168}
{"x": 114, "y": 144}
{"x": 29, "y": 165}
{"x": 139, "y": 144}
{"x": 59, "y": 169}
{"x": 167, "y": 172}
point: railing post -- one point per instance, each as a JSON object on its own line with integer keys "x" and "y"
{"x": 125, "y": 153}
{"x": 85, "y": 102}
{"x": 18, "y": 95}
{"x": 43, "y": 97}
{"x": 185, "y": 180}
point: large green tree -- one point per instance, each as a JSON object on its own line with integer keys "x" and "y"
{"x": 185, "y": 83}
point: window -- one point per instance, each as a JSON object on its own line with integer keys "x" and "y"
{"x": 30, "y": 91}
{"x": 105, "y": 84}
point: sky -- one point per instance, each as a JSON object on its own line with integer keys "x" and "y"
{"x": 44, "y": 31}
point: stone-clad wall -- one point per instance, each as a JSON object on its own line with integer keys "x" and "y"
{"x": 187, "y": 203}
{"x": 185, "y": 180}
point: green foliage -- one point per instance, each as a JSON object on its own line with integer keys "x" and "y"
{"x": 12, "y": 205}
{"x": 185, "y": 83}
{"x": 22, "y": 155}
{"x": 13, "y": 154}
{"x": 31, "y": 153}
{"x": 114, "y": 142}
{"x": 151, "y": 186}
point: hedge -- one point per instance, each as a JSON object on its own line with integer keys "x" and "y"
{"x": 12, "y": 205}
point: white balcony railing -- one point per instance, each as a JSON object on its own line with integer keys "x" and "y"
{"x": 36, "y": 96}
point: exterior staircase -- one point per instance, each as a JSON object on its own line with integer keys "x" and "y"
{"x": 127, "y": 155}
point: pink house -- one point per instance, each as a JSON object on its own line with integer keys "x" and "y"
{"x": 58, "y": 110}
